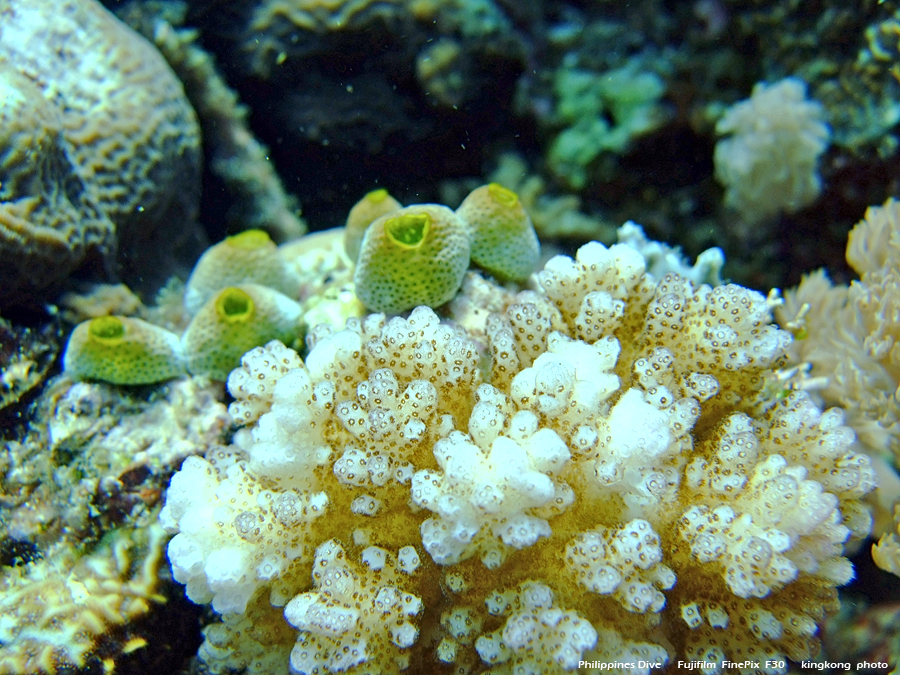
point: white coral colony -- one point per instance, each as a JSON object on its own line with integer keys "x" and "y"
{"x": 597, "y": 470}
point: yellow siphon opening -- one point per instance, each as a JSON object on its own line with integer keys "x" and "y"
{"x": 234, "y": 305}
{"x": 408, "y": 230}
{"x": 377, "y": 196}
{"x": 108, "y": 330}
{"x": 502, "y": 195}
{"x": 250, "y": 239}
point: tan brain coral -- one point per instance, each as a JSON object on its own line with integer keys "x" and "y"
{"x": 100, "y": 147}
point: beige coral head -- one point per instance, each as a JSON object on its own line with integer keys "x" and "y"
{"x": 107, "y": 154}
{"x": 875, "y": 240}
{"x": 45, "y": 230}
{"x": 768, "y": 159}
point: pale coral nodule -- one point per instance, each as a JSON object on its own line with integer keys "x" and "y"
{"x": 768, "y": 157}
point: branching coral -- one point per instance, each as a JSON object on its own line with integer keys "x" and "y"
{"x": 616, "y": 423}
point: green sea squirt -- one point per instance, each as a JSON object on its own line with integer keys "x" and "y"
{"x": 123, "y": 350}
{"x": 235, "y": 321}
{"x": 410, "y": 257}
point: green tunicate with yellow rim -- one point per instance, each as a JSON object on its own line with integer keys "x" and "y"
{"x": 234, "y": 321}
{"x": 123, "y": 350}
{"x": 503, "y": 239}
{"x": 249, "y": 257}
{"x": 375, "y": 204}
{"x": 414, "y": 256}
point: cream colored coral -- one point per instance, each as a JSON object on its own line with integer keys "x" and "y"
{"x": 624, "y": 563}
{"x": 848, "y": 342}
{"x": 257, "y": 533}
{"x": 634, "y": 658}
{"x": 602, "y": 406}
{"x": 843, "y": 372}
{"x": 491, "y": 490}
{"x": 538, "y": 636}
{"x": 886, "y": 553}
{"x": 358, "y": 615}
{"x": 102, "y": 148}
{"x": 252, "y": 385}
{"x": 768, "y": 160}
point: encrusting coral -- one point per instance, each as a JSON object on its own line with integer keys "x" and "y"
{"x": 603, "y": 468}
{"x": 101, "y": 148}
{"x": 56, "y": 611}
